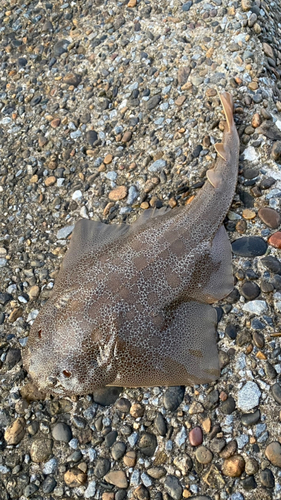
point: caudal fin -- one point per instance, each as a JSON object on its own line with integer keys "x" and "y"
{"x": 227, "y": 104}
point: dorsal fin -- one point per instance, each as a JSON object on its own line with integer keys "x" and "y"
{"x": 219, "y": 147}
{"x": 227, "y": 104}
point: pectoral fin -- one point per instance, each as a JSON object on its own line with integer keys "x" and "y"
{"x": 227, "y": 104}
{"x": 183, "y": 353}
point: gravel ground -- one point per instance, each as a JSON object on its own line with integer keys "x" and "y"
{"x": 107, "y": 108}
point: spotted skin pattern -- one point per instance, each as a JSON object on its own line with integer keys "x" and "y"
{"x": 130, "y": 306}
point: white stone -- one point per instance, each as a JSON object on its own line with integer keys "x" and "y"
{"x": 64, "y": 232}
{"x": 249, "y": 396}
{"x": 91, "y": 489}
{"x": 255, "y": 306}
{"x": 77, "y": 195}
{"x": 157, "y": 165}
{"x": 250, "y": 154}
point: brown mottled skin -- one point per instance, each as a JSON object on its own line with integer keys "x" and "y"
{"x": 130, "y": 306}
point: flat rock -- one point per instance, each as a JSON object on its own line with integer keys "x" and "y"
{"x": 248, "y": 396}
{"x": 119, "y": 193}
{"x": 117, "y": 478}
{"x": 249, "y": 246}
{"x": 270, "y": 217}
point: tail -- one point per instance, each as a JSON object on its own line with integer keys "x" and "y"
{"x": 227, "y": 104}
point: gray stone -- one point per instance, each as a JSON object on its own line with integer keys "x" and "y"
{"x": 157, "y": 165}
{"x": 62, "y": 432}
{"x": 173, "y": 487}
{"x": 64, "y": 232}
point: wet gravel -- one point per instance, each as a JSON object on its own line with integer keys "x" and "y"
{"x": 106, "y": 109}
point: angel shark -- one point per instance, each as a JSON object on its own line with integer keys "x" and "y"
{"x": 131, "y": 304}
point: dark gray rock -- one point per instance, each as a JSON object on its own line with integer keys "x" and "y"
{"x": 123, "y": 405}
{"x": 48, "y": 485}
{"x": 249, "y": 483}
{"x": 249, "y": 419}
{"x": 276, "y": 392}
{"x": 270, "y": 371}
{"x": 267, "y": 478}
{"x": 13, "y": 357}
{"x": 91, "y": 137}
{"x": 153, "y": 102}
{"x": 102, "y": 467}
{"x": 160, "y": 424}
{"x": 249, "y": 246}
{"x": 147, "y": 444}
{"x": 110, "y": 438}
{"x": 107, "y": 395}
{"x": 173, "y": 487}
{"x": 60, "y": 47}
{"x": 231, "y": 331}
{"x": 5, "y": 298}
{"x": 118, "y": 450}
{"x": 228, "y": 406}
{"x": 272, "y": 263}
{"x": 173, "y": 397}
{"x": 250, "y": 290}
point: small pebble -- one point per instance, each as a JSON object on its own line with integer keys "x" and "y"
{"x": 270, "y": 217}
{"x": 196, "y": 436}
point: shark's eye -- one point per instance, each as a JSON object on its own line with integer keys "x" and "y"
{"x": 66, "y": 373}
{"x": 39, "y": 333}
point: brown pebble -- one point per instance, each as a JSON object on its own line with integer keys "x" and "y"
{"x": 253, "y": 86}
{"x": 108, "y": 495}
{"x": 117, "y": 478}
{"x": 229, "y": 449}
{"x": 172, "y": 202}
{"x": 137, "y": 410}
{"x": 50, "y": 181}
{"x": 132, "y": 3}
{"x": 241, "y": 226}
{"x": 42, "y": 141}
{"x": 261, "y": 355}
{"x": 127, "y": 136}
{"x": 34, "y": 292}
{"x": 203, "y": 455}
{"x": 180, "y": 100}
{"x": 207, "y": 424}
{"x": 196, "y": 436}
{"x": 15, "y": 314}
{"x": 118, "y": 193}
{"x": 156, "y": 472}
{"x": 270, "y": 217}
{"x": 273, "y": 453}
{"x": 248, "y": 214}
{"x": 275, "y": 240}
{"x": 233, "y": 466}
{"x": 15, "y": 432}
{"x": 223, "y": 396}
{"x": 141, "y": 493}
{"x": 130, "y": 458}
{"x": 108, "y": 159}
{"x": 256, "y": 120}
{"x": 55, "y": 123}
{"x": 72, "y": 79}
{"x": 144, "y": 205}
{"x": 258, "y": 339}
{"x": 75, "y": 477}
{"x": 34, "y": 179}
